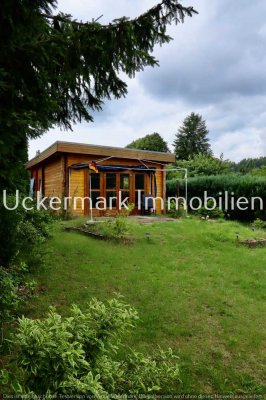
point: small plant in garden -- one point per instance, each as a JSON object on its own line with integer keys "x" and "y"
{"x": 119, "y": 226}
{"x": 77, "y": 355}
{"x": 210, "y": 212}
{"x": 176, "y": 212}
{"x": 259, "y": 224}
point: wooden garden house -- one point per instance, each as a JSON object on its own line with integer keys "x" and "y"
{"x": 82, "y": 170}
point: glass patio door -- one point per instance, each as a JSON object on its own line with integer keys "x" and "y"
{"x": 111, "y": 190}
{"x": 139, "y": 189}
{"x": 116, "y": 184}
{"x": 124, "y": 187}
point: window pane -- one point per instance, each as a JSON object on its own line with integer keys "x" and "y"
{"x": 110, "y": 181}
{"x": 139, "y": 181}
{"x": 110, "y": 203}
{"x": 124, "y": 181}
{"x": 125, "y": 194}
{"x": 94, "y": 196}
{"x": 95, "y": 181}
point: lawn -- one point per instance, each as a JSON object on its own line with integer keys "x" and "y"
{"x": 196, "y": 290}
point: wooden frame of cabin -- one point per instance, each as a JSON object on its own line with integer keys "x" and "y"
{"x": 62, "y": 171}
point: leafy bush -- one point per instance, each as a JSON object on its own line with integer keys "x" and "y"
{"x": 41, "y": 220}
{"x": 210, "y": 211}
{"x": 8, "y": 232}
{"x": 15, "y": 288}
{"x": 259, "y": 171}
{"x": 176, "y": 211}
{"x": 21, "y": 232}
{"x": 205, "y": 165}
{"x": 259, "y": 224}
{"x": 170, "y": 175}
{"x": 77, "y": 355}
{"x": 119, "y": 226}
{"x": 241, "y": 185}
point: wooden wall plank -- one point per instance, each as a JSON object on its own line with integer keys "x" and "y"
{"x": 53, "y": 179}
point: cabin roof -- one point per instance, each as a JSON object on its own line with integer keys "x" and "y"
{"x": 102, "y": 151}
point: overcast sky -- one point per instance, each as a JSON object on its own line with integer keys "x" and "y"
{"x": 215, "y": 66}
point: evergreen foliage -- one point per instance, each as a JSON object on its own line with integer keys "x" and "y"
{"x": 240, "y": 185}
{"x": 248, "y": 164}
{"x": 56, "y": 71}
{"x": 191, "y": 138}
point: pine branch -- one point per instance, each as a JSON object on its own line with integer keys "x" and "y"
{"x": 167, "y": 11}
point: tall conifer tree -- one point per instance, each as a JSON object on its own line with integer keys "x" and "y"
{"x": 192, "y": 138}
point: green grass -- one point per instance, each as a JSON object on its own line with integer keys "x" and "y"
{"x": 195, "y": 288}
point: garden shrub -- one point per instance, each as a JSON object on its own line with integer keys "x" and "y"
{"x": 21, "y": 233}
{"x": 119, "y": 226}
{"x": 9, "y": 221}
{"x": 78, "y": 355}
{"x": 210, "y": 211}
{"x": 241, "y": 185}
{"x": 15, "y": 288}
{"x": 259, "y": 224}
{"x": 205, "y": 164}
{"x": 176, "y": 210}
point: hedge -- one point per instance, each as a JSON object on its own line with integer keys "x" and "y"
{"x": 241, "y": 185}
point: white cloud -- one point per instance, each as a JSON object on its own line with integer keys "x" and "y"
{"x": 239, "y": 145}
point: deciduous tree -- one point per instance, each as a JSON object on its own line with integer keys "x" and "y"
{"x": 153, "y": 142}
{"x": 206, "y": 165}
